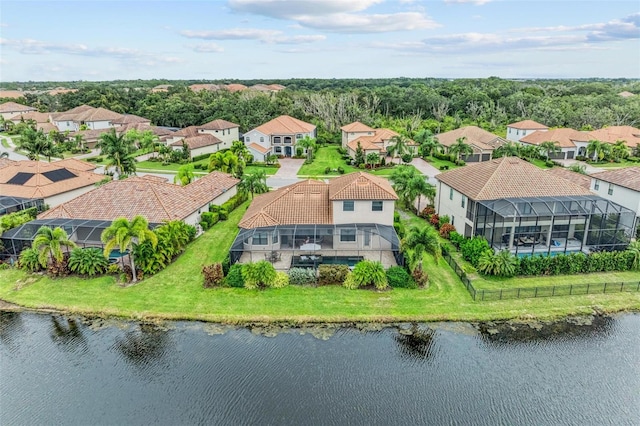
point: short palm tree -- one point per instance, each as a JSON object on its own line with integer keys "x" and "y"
{"x": 460, "y": 148}
{"x": 619, "y": 150}
{"x": 49, "y": 242}
{"x": 125, "y": 235}
{"x": 118, "y": 149}
{"x": 595, "y": 149}
{"x": 508, "y": 149}
{"x": 399, "y": 146}
{"x": 226, "y": 162}
{"x": 421, "y": 240}
{"x": 503, "y": 264}
{"x": 634, "y": 249}
{"x": 185, "y": 175}
{"x": 309, "y": 144}
{"x": 373, "y": 159}
{"x": 255, "y": 183}
{"x": 549, "y": 147}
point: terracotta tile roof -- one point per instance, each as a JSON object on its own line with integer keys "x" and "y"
{"x": 131, "y": 119}
{"x": 218, "y": 125}
{"x": 630, "y": 135}
{"x": 305, "y": 202}
{"x": 361, "y": 186}
{"x": 476, "y": 136}
{"x": 628, "y": 177}
{"x": 156, "y": 200}
{"x": 46, "y": 127}
{"x": 6, "y": 162}
{"x": 90, "y": 135}
{"x": 74, "y": 163}
{"x": 378, "y": 141}
{"x": 199, "y": 141}
{"x": 234, "y": 87}
{"x": 261, "y": 88}
{"x": 527, "y": 125}
{"x": 154, "y": 178}
{"x": 36, "y": 184}
{"x": 15, "y": 107}
{"x": 71, "y": 114}
{"x": 276, "y": 87}
{"x": 38, "y": 117}
{"x": 199, "y": 87}
{"x": 15, "y": 94}
{"x": 508, "y": 177}
{"x": 261, "y": 149}
{"x": 186, "y": 132}
{"x": 356, "y": 127}
{"x": 565, "y": 137}
{"x": 285, "y": 125}
{"x": 98, "y": 114}
{"x": 60, "y": 91}
{"x": 577, "y": 178}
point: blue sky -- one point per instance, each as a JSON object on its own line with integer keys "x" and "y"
{"x": 279, "y": 39}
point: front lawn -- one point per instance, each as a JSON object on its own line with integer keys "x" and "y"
{"x": 438, "y": 164}
{"x": 614, "y": 165}
{"x": 327, "y": 156}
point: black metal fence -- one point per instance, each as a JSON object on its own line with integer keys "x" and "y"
{"x": 545, "y": 291}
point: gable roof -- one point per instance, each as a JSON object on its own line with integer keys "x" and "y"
{"x": 628, "y": 177}
{"x": 356, "y": 127}
{"x": 375, "y": 141}
{"x": 199, "y": 141}
{"x": 39, "y": 179}
{"x": 629, "y": 134}
{"x": 286, "y": 125}
{"x": 508, "y": 177}
{"x": 155, "y": 199}
{"x": 257, "y": 147}
{"x": 361, "y": 186}
{"x": 218, "y": 124}
{"x": 15, "y": 107}
{"x": 577, "y": 178}
{"x": 130, "y": 119}
{"x": 474, "y": 136}
{"x": 38, "y": 117}
{"x": 199, "y": 87}
{"x": 98, "y": 114}
{"x": 71, "y": 114}
{"x": 527, "y": 125}
{"x": 565, "y": 137}
{"x": 186, "y": 132}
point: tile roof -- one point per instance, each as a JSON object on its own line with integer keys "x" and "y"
{"x": 199, "y": 87}
{"x": 147, "y": 196}
{"x": 38, "y": 117}
{"x": 625, "y": 94}
{"x": 46, "y": 127}
{"x": 565, "y": 137}
{"x": 90, "y": 135}
{"x": 630, "y": 135}
{"x": 98, "y": 114}
{"x": 528, "y": 125}
{"x": 71, "y": 114}
{"x": 38, "y": 185}
{"x": 309, "y": 201}
{"x": 6, "y": 162}
{"x": 15, "y": 94}
{"x": 577, "y": 178}
{"x": 285, "y": 125}
{"x": 261, "y": 149}
{"x": 234, "y": 87}
{"x": 218, "y": 125}
{"x": 375, "y": 141}
{"x": 356, "y": 127}
{"x": 508, "y": 177}
{"x": 628, "y": 177}
{"x": 74, "y": 163}
{"x": 475, "y": 136}
{"x": 130, "y": 119}
{"x": 199, "y": 141}
{"x": 276, "y": 87}
{"x": 186, "y": 132}
{"x": 15, "y": 107}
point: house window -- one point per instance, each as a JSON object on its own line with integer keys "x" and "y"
{"x": 278, "y": 150}
{"x": 347, "y": 206}
{"x": 464, "y": 200}
{"x": 348, "y": 235}
{"x": 453, "y": 219}
{"x": 274, "y": 237}
{"x": 451, "y": 193}
{"x": 276, "y": 139}
{"x": 260, "y": 239}
{"x": 610, "y": 191}
{"x": 376, "y": 206}
{"x": 597, "y": 185}
{"x": 299, "y": 136}
{"x": 248, "y": 139}
{"x": 261, "y": 138}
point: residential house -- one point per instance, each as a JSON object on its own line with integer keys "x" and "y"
{"x": 160, "y": 88}
{"x": 626, "y": 94}
{"x": 8, "y": 110}
{"x": 516, "y": 131}
{"x": 200, "y": 87}
{"x": 520, "y": 207}
{"x": 377, "y": 143}
{"x": 127, "y": 119}
{"x": 278, "y": 136}
{"x": 570, "y": 142}
{"x": 622, "y": 186}
{"x": 55, "y": 182}
{"x": 199, "y": 144}
{"x": 85, "y": 116}
{"x": 310, "y": 222}
{"x": 579, "y": 179}
{"x": 355, "y": 130}
{"x": 612, "y": 134}
{"x": 482, "y": 142}
{"x": 223, "y": 130}
{"x": 12, "y": 94}
{"x": 235, "y": 87}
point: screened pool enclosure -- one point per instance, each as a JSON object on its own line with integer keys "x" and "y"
{"x": 549, "y": 225}
{"x": 289, "y": 246}
{"x": 13, "y": 204}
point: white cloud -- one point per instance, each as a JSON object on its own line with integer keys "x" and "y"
{"x": 208, "y": 48}
{"x": 288, "y": 9}
{"x": 264, "y": 36}
{"x": 351, "y": 23}
{"x": 476, "y": 2}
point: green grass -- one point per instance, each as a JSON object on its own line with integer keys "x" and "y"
{"x": 437, "y": 163}
{"x": 5, "y": 144}
{"x": 614, "y": 165}
{"x": 481, "y": 282}
{"x": 327, "y": 156}
{"x": 540, "y": 163}
{"x": 253, "y": 169}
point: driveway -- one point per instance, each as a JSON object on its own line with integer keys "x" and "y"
{"x": 289, "y": 168}
{"x": 589, "y": 169}
{"x": 426, "y": 169}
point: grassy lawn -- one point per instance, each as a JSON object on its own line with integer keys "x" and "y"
{"x": 495, "y": 283}
{"x": 540, "y": 163}
{"x": 437, "y": 163}
{"x": 327, "y": 156}
{"x": 253, "y": 169}
{"x": 614, "y": 165}
{"x": 5, "y": 144}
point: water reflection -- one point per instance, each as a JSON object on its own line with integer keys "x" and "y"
{"x": 145, "y": 345}
{"x": 415, "y": 343}
{"x": 11, "y": 328}
{"x": 67, "y": 333}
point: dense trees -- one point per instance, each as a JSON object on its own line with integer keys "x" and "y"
{"x": 119, "y": 151}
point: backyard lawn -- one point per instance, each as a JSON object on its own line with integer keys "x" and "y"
{"x": 437, "y": 163}
{"x": 327, "y": 156}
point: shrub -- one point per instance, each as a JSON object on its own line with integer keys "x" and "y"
{"x": 460, "y": 163}
{"x": 213, "y": 208}
{"x": 420, "y": 277}
{"x": 503, "y": 264}
{"x": 29, "y": 260}
{"x": 208, "y": 219}
{"x": 302, "y": 276}
{"x": 327, "y": 170}
{"x": 427, "y": 212}
{"x": 281, "y": 280}
{"x": 114, "y": 269}
{"x": 472, "y": 249}
{"x": 223, "y": 213}
{"x": 340, "y": 170}
{"x": 549, "y": 163}
{"x": 442, "y": 220}
{"x": 260, "y": 274}
{"x": 213, "y": 275}
{"x": 368, "y": 272}
{"x": 435, "y": 220}
{"x": 456, "y": 238}
{"x": 332, "y": 274}
{"x": 89, "y": 261}
{"x": 4, "y": 266}
{"x": 234, "y": 277}
{"x": 350, "y": 282}
{"x": 446, "y": 229}
{"x": 398, "y": 277}
{"x": 60, "y": 268}
{"x": 396, "y": 217}
{"x": 400, "y": 230}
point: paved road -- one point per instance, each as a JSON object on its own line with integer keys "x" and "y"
{"x": 426, "y": 169}
{"x": 11, "y": 150}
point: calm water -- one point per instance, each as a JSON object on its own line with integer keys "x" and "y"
{"x": 59, "y": 370}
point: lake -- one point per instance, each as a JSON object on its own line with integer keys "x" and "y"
{"x": 57, "y": 370}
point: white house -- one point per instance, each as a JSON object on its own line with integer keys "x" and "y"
{"x": 355, "y": 130}
{"x": 199, "y": 145}
{"x": 622, "y": 186}
{"x": 225, "y": 131}
{"x": 8, "y": 110}
{"x": 85, "y": 115}
{"x": 569, "y": 141}
{"x": 516, "y": 131}
{"x": 279, "y": 135}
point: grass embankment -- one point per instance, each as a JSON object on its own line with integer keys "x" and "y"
{"x": 177, "y": 293}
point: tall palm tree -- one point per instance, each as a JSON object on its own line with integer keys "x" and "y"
{"x": 255, "y": 183}
{"x": 508, "y": 149}
{"x": 399, "y": 146}
{"x": 594, "y": 147}
{"x": 309, "y": 144}
{"x": 549, "y": 147}
{"x": 49, "y": 242}
{"x": 125, "y": 235}
{"x": 185, "y": 175}
{"x": 240, "y": 150}
{"x": 428, "y": 143}
{"x": 421, "y": 240}
{"x": 36, "y": 143}
{"x": 226, "y": 162}
{"x": 118, "y": 149}
{"x": 418, "y": 187}
{"x": 410, "y": 184}
{"x": 460, "y": 148}
{"x": 620, "y": 150}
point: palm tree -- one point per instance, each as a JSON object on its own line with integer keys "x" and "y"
{"x": 410, "y": 184}
{"x": 595, "y": 148}
{"x": 399, "y": 146}
{"x": 241, "y": 151}
{"x": 460, "y": 148}
{"x": 509, "y": 149}
{"x": 118, "y": 150}
{"x": 226, "y": 162}
{"x": 185, "y": 175}
{"x": 418, "y": 187}
{"x": 634, "y": 248}
{"x": 125, "y": 235}
{"x": 309, "y": 144}
{"x": 421, "y": 240}
{"x": 79, "y": 142}
{"x": 503, "y": 264}
{"x": 255, "y": 183}
{"x": 620, "y": 150}
{"x": 373, "y": 158}
{"x": 529, "y": 151}
{"x": 49, "y": 242}
{"x": 549, "y": 147}
{"x": 36, "y": 143}
{"x": 428, "y": 143}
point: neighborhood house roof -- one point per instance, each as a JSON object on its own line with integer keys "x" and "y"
{"x": 508, "y": 177}
{"x": 628, "y": 177}
{"x": 375, "y": 141}
{"x": 218, "y": 125}
{"x": 527, "y": 125}
{"x": 630, "y": 135}
{"x": 14, "y": 107}
{"x": 74, "y": 163}
{"x": 38, "y": 179}
{"x": 199, "y": 141}
{"x": 356, "y": 127}
{"x": 577, "y": 178}
{"x": 566, "y": 137}
{"x": 186, "y": 132}
{"x": 38, "y": 117}
{"x": 130, "y": 118}
{"x": 285, "y": 125}
{"x": 261, "y": 149}
{"x": 474, "y": 135}
{"x": 155, "y": 200}
{"x": 4, "y": 162}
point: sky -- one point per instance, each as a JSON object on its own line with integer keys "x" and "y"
{"x": 281, "y": 39}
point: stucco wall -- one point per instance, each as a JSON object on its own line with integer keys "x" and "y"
{"x": 445, "y": 206}
{"x": 362, "y": 213}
